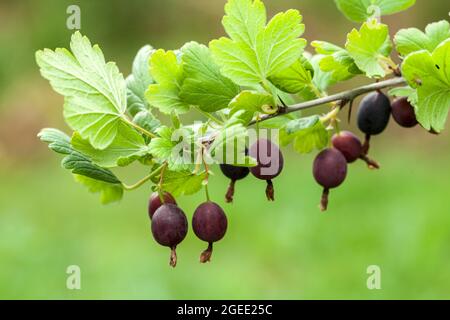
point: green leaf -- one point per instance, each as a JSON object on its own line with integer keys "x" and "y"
{"x": 108, "y": 192}
{"x": 251, "y": 102}
{"x": 413, "y": 39}
{"x": 336, "y": 61}
{"x": 254, "y": 52}
{"x": 75, "y": 161}
{"x": 138, "y": 81}
{"x": 369, "y": 47}
{"x": 229, "y": 145}
{"x": 57, "y": 140}
{"x": 180, "y": 183}
{"x": 204, "y": 85}
{"x": 173, "y": 146}
{"x": 307, "y": 134}
{"x": 244, "y": 20}
{"x": 361, "y": 10}
{"x": 401, "y": 91}
{"x": 145, "y": 119}
{"x": 278, "y": 122}
{"x": 407, "y": 92}
{"x": 322, "y": 80}
{"x": 126, "y": 147}
{"x": 296, "y": 78}
{"x": 430, "y": 75}
{"x": 94, "y": 91}
{"x": 168, "y": 72}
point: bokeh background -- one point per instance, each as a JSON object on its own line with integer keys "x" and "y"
{"x": 397, "y": 218}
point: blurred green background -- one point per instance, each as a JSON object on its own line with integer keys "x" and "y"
{"x": 397, "y": 218}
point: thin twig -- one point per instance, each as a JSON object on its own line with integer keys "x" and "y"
{"x": 346, "y": 95}
{"x": 143, "y": 180}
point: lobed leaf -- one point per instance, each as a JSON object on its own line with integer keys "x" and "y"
{"x": 229, "y": 145}
{"x": 369, "y": 47}
{"x": 75, "y": 161}
{"x": 250, "y": 102}
{"x": 109, "y": 193}
{"x": 138, "y": 81}
{"x": 169, "y": 75}
{"x": 174, "y": 146}
{"x": 94, "y": 91}
{"x": 412, "y": 39}
{"x": 336, "y": 61}
{"x": 306, "y": 134}
{"x": 126, "y": 147}
{"x": 296, "y": 78}
{"x": 182, "y": 182}
{"x": 204, "y": 85}
{"x": 254, "y": 51}
{"x": 361, "y": 10}
{"x": 429, "y": 74}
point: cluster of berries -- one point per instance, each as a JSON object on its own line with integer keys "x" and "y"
{"x": 209, "y": 222}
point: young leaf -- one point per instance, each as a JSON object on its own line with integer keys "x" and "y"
{"x": 336, "y": 61}
{"x": 322, "y": 80}
{"x": 57, "y": 140}
{"x": 369, "y": 47}
{"x": 413, "y": 39}
{"x": 173, "y": 146}
{"x": 250, "y": 102}
{"x": 407, "y": 92}
{"x": 108, "y": 192}
{"x": 361, "y": 10}
{"x": 168, "y": 72}
{"x": 429, "y": 73}
{"x": 204, "y": 85}
{"x": 94, "y": 91}
{"x": 307, "y": 134}
{"x": 296, "y": 78}
{"x": 75, "y": 161}
{"x": 180, "y": 183}
{"x": 278, "y": 122}
{"x": 138, "y": 81}
{"x": 255, "y": 52}
{"x": 244, "y": 20}
{"x": 145, "y": 119}
{"x": 229, "y": 145}
{"x": 126, "y": 147}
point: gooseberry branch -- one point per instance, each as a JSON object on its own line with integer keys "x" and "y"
{"x": 348, "y": 95}
{"x": 236, "y": 82}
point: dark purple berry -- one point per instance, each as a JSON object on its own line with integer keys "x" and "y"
{"x": 351, "y": 148}
{"x": 209, "y": 224}
{"x": 373, "y": 116}
{"x": 403, "y": 113}
{"x": 155, "y": 202}
{"x": 374, "y": 113}
{"x": 348, "y": 144}
{"x": 169, "y": 228}
{"x": 270, "y": 163}
{"x": 330, "y": 171}
{"x": 234, "y": 174}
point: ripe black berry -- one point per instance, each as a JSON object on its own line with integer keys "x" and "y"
{"x": 351, "y": 148}
{"x": 234, "y": 174}
{"x": 169, "y": 228}
{"x": 403, "y": 113}
{"x": 374, "y": 113}
{"x": 330, "y": 171}
{"x": 270, "y": 163}
{"x": 210, "y": 224}
{"x": 373, "y": 116}
{"x": 155, "y": 202}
